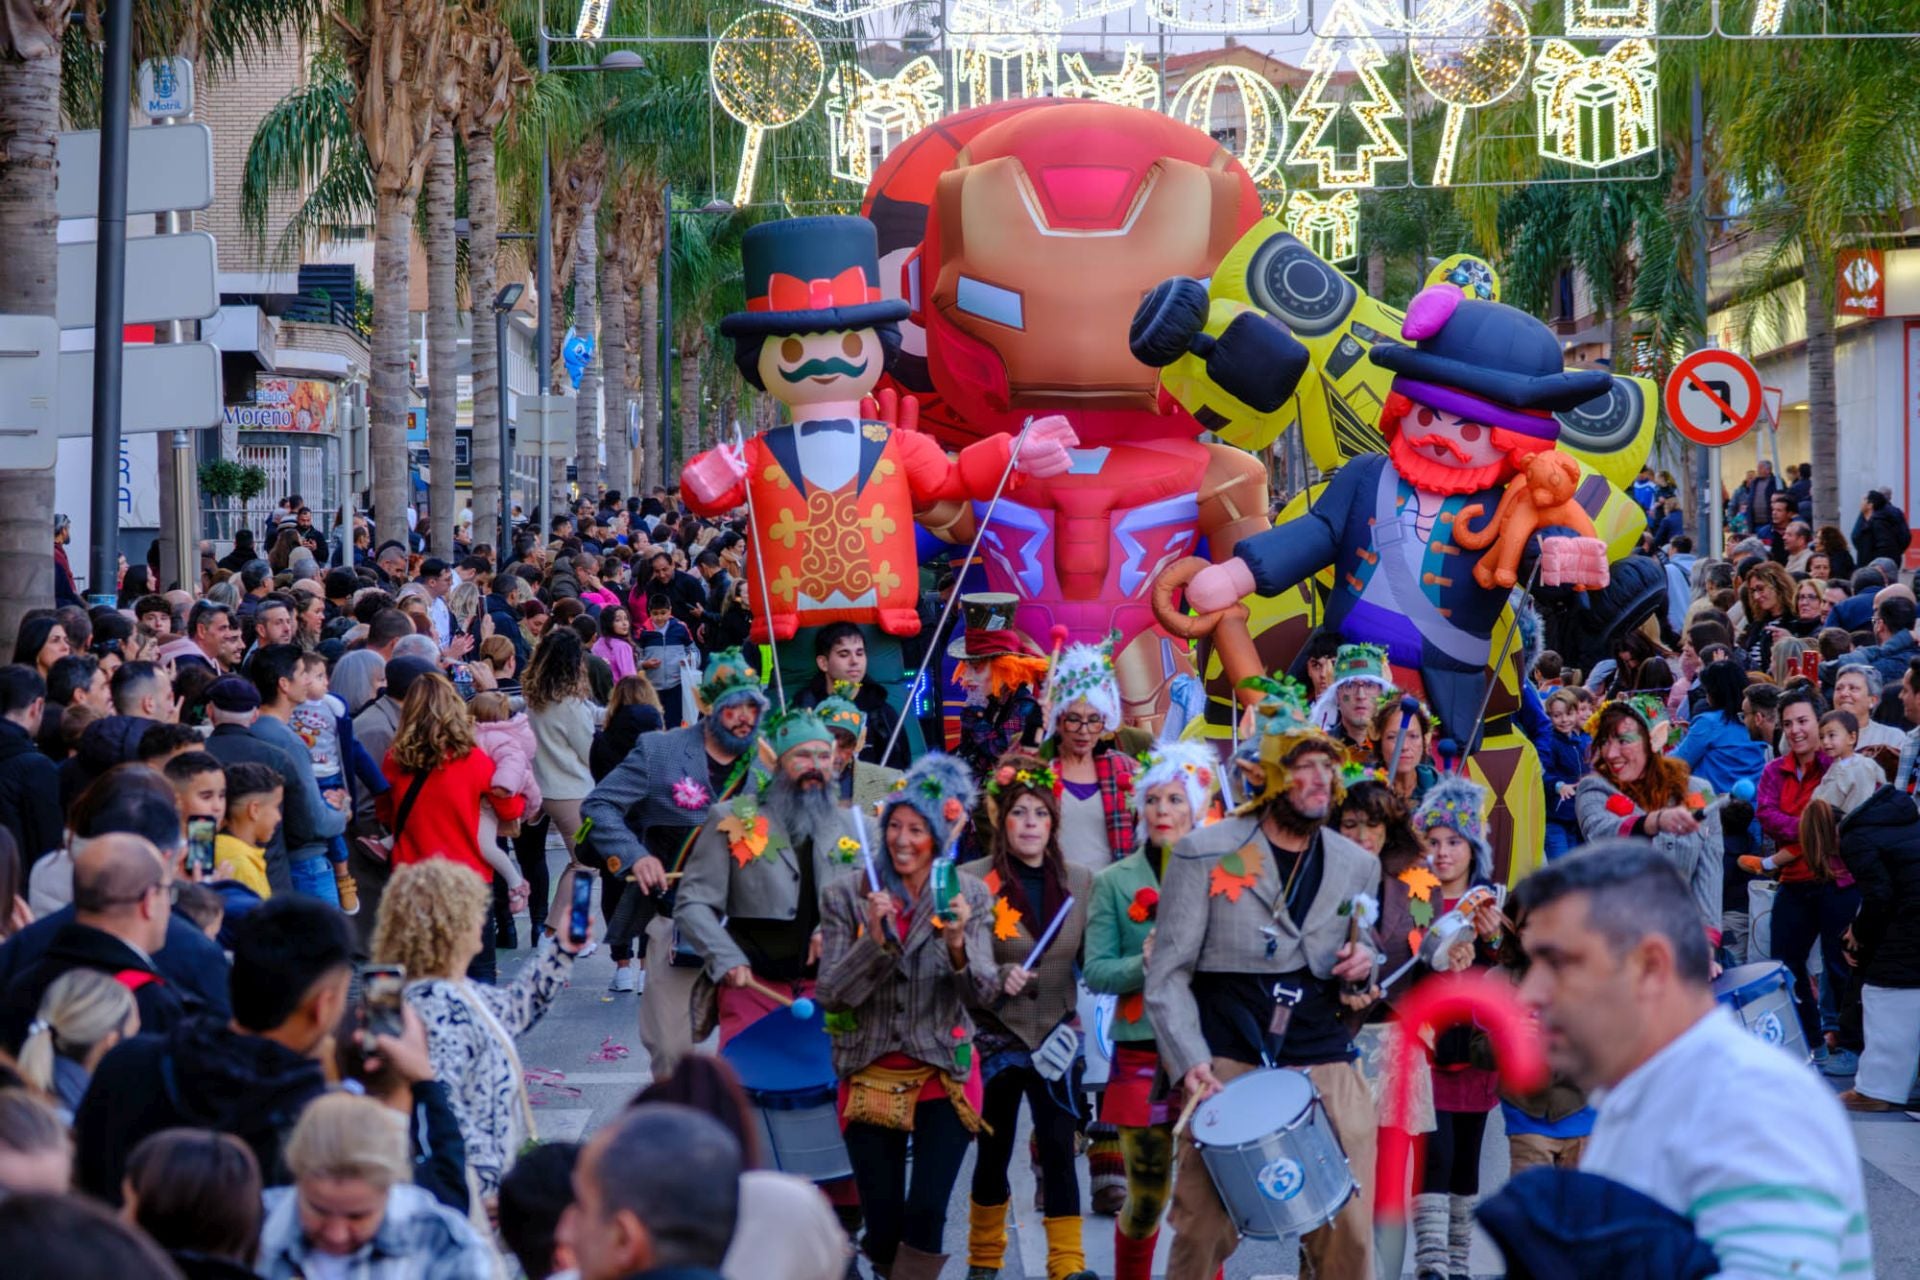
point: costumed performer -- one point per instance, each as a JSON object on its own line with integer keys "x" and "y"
{"x": 1002, "y": 677}
{"x": 1345, "y": 708}
{"x": 858, "y": 782}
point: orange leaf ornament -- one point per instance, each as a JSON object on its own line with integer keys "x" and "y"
{"x": 747, "y": 839}
{"x": 1006, "y": 920}
{"x": 1133, "y": 1006}
{"x": 1420, "y": 882}
{"x": 1236, "y": 871}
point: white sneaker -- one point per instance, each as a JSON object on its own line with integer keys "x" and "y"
{"x": 622, "y": 979}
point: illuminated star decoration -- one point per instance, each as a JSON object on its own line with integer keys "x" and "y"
{"x": 1468, "y": 54}
{"x": 1612, "y": 17}
{"x": 1222, "y": 15}
{"x": 1136, "y": 84}
{"x": 766, "y": 70}
{"x": 1596, "y": 111}
{"x": 1263, "y": 139}
{"x": 592, "y": 23}
{"x": 868, "y": 117}
{"x": 1344, "y": 37}
{"x": 1004, "y": 49}
{"x": 1329, "y": 227}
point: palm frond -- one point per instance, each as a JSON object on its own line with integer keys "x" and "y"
{"x": 306, "y": 137}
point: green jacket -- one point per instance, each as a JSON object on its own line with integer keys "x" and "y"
{"x": 1112, "y": 962}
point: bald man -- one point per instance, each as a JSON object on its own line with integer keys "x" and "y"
{"x": 122, "y": 899}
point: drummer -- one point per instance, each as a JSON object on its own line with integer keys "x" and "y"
{"x": 1027, "y": 1045}
{"x": 1249, "y": 957}
{"x": 898, "y": 990}
{"x": 1171, "y": 793}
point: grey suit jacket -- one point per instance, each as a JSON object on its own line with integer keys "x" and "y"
{"x": 638, "y": 795}
{"x": 767, "y": 887}
{"x": 1204, "y": 932}
{"x": 1052, "y": 995}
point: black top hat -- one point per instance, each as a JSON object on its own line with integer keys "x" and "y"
{"x": 1490, "y": 350}
{"x": 989, "y": 628}
{"x": 811, "y": 275}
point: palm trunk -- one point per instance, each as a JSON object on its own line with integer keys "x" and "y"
{"x": 689, "y": 393}
{"x": 1620, "y": 324}
{"x": 613, "y": 328}
{"x": 387, "y": 411}
{"x": 29, "y": 118}
{"x": 443, "y": 334}
{"x": 1823, "y": 434}
{"x": 1376, "y": 274}
{"x": 653, "y": 434}
{"x": 482, "y": 254}
{"x": 586, "y": 319}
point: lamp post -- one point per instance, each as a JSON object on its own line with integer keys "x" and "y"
{"x": 503, "y": 304}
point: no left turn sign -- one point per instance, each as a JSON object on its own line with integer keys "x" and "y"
{"x": 1713, "y": 397}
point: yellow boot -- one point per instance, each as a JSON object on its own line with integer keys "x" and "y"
{"x": 986, "y": 1239}
{"x": 1066, "y": 1255}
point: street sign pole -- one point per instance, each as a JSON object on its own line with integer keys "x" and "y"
{"x": 109, "y": 339}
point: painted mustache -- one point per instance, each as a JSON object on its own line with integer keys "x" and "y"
{"x": 822, "y": 368}
{"x": 1439, "y": 442}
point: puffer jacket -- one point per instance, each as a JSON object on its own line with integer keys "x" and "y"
{"x": 511, "y": 745}
{"x": 1882, "y": 843}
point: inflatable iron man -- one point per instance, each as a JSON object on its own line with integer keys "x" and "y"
{"x": 1026, "y": 234}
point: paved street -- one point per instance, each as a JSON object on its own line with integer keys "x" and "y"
{"x": 576, "y": 1051}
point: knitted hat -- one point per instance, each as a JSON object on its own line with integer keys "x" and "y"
{"x": 940, "y": 789}
{"x": 838, "y": 713}
{"x": 1351, "y": 663}
{"x": 1085, "y": 674}
{"x": 729, "y": 678}
{"x": 1461, "y": 806}
{"x": 1282, "y": 729}
{"x": 1191, "y": 764}
{"x": 786, "y": 730}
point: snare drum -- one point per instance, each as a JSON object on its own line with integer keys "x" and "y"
{"x": 1761, "y": 997}
{"x": 1272, "y": 1153}
{"x": 1096, "y": 1033}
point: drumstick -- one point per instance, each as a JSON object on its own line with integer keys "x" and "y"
{"x": 1186, "y": 1114}
{"x": 755, "y": 984}
{"x": 1053, "y": 927}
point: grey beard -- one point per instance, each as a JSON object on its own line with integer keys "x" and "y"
{"x": 806, "y": 816}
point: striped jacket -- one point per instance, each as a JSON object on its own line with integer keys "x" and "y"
{"x": 911, "y": 1001}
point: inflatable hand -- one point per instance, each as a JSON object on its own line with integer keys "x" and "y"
{"x": 1220, "y": 586}
{"x": 1573, "y": 562}
{"x": 711, "y": 474}
{"x": 1254, "y": 359}
{"x": 1045, "y": 451}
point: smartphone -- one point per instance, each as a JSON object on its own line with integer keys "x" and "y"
{"x": 1810, "y": 665}
{"x": 580, "y": 916}
{"x": 200, "y": 847}
{"x": 381, "y": 988}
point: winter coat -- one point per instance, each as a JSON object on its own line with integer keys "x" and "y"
{"x": 201, "y": 1075}
{"x": 1884, "y": 533}
{"x": 620, "y": 656}
{"x": 79, "y": 946}
{"x": 1606, "y": 811}
{"x": 1882, "y": 843}
{"x": 29, "y": 795}
{"x": 1563, "y": 758}
{"x": 1719, "y": 751}
{"x": 107, "y": 742}
{"x": 190, "y": 960}
{"x": 623, "y": 730}
{"x": 512, "y": 746}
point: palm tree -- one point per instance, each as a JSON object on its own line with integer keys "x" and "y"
{"x": 442, "y": 336}
{"x": 586, "y": 323}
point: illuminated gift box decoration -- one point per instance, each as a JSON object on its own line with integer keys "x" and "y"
{"x": 1598, "y": 111}
{"x": 1222, "y": 15}
{"x": 1003, "y": 49}
{"x": 1612, "y": 17}
{"x": 868, "y": 117}
{"x": 1135, "y": 84}
{"x": 1330, "y": 227}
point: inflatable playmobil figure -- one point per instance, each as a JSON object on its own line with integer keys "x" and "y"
{"x": 1028, "y": 233}
{"x": 834, "y": 492}
{"x": 1472, "y": 404}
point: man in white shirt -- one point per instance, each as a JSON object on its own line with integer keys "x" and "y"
{"x": 436, "y": 575}
{"x": 1618, "y": 975}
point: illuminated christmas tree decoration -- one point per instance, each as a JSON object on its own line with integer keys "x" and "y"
{"x": 1263, "y": 135}
{"x": 1599, "y": 111}
{"x": 1468, "y": 54}
{"x": 1344, "y": 38}
{"x": 1612, "y": 17}
{"x": 1136, "y": 84}
{"x": 837, "y": 10}
{"x": 766, "y": 70}
{"x": 1223, "y": 15}
{"x": 1329, "y": 227}
{"x": 592, "y": 23}
{"x": 1768, "y": 17}
{"x": 1003, "y": 49}
{"x": 868, "y": 117}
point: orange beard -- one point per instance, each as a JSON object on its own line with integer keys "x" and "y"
{"x": 1432, "y": 475}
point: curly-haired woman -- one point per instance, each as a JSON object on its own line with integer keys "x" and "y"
{"x": 431, "y": 917}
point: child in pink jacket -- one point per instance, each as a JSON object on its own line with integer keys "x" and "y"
{"x": 508, "y": 741}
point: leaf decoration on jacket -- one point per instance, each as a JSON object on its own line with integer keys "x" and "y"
{"x": 746, "y": 836}
{"x": 1006, "y": 920}
{"x": 1619, "y": 805}
{"x": 1238, "y": 870}
{"x": 1133, "y": 1006}
{"x": 1420, "y": 884}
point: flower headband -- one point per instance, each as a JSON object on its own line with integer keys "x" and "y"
{"x": 1040, "y": 777}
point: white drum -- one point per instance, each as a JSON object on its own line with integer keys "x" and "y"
{"x": 1761, "y": 997}
{"x": 1096, "y": 1034}
{"x": 1273, "y": 1155}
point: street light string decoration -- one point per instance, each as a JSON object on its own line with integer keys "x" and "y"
{"x": 1135, "y": 84}
{"x": 868, "y": 116}
{"x": 1222, "y": 15}
{"x": 1468, "y": 54}
{"x": 767, "y": 71}
{"x": 1610, "y": 18}
{"x": 1345, "y": 37}
{"x": 1596, "y": 112}
{"x": 1329, "y": 227}
{"x": 1263, "y": 139}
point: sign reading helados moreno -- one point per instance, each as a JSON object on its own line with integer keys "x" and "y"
{"x": 285, "y": 404}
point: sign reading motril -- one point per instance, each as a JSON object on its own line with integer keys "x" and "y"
{"x": 1860, "y": 282}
